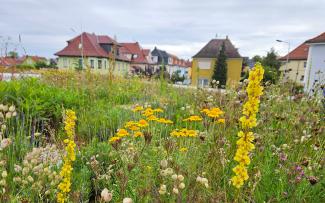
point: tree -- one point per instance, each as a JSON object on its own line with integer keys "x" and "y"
{"x": 271, "y": 60}
{"x": 13, "y": 54}
{"x": 257, "y": 58}
{"x": 176, "y": 77}
{"x": 220, "y": 68}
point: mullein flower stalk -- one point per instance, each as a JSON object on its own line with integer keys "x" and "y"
{"x": 248, "y": 121}
{"x": 65, "y": 186}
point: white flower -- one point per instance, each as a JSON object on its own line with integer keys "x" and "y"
{"x": 16, "y": 179}
{"x": 163, "y": 172}
{"x": 180, "y": 177}
{"x": 5, "y": 143}
{"x": 106, "y": 195}
{"x": 4, "y": 174}
{"x": 8, "y": 115}
{"x": 174, "y": 176}
{"x": 163, "y": 163}
{"x": 3, "y": 127}
{"x": 30, "y": 179}
{"x": 1, "y": 107}
{"x": 163, "y": 187}
{"x": 5, "y": 108}
{"x": 14, "y": 114}
{"x": 199, "y": 179}
{"x": 127, "y": 200}
{"x": 12, "y": 108}
{"x": 181, "y": 186}
{"x": 183, "y": 108}
{"x": 162, "y": 192}
{"x": 204, "y": 180}
{"x": 175, "y": 190}
{"x": 206, "y": 185}
{"x": 169, "y": 171}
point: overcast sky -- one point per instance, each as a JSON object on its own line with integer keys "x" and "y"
{"x": 181, "y": 27}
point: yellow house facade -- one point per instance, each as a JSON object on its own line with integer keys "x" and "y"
{"x": 204, "y": 62}
{"x": 294, "y": 69}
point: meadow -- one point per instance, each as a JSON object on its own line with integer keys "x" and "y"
{"x": 80, "y": 137}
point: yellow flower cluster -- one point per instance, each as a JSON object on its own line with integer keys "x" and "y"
{"x": 248, "y": 121}
{"x": 149, "y": 113}
{"x": 193, "y": 118}
{"x": 213, "y": 112}
{"x": 65, "y": 186}
{"x": 183, "y": 133}
{"x": 131, "y": 125}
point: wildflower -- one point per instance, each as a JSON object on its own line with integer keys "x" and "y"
{"x": 142, "y": 123}
{"x": 12, "y": 108}
{"x": 213, "y": 112}
{"x": 162, "y": 189}
{"x": 193, "y": 118}
{"x": 248, "y": 121}
{"x": 183, "y": 149}
{"x": 165, "y": 121}
{"x": 138, "y": 134}
{"x": 174, "y": 176}
{"x": 158, "y": 110}
{"x": 4, "y": 174}
{"x": 152, "y": 118}
{"x": 5, "y": 143}
{"x": 114, "y": 139}
{"x": 180, "y": 177}
{"x": 148, "y": 112}
{"x": 181, "y": 186}
{"x": 106, "y": 195}
{"x": 69, "y": 158}
{"x": 127, "y": 200}
{"x": 137, "y": 108}
{"x": 221, "y": 120}
{"x": 122, "y": 133}
{"x": 175, "y": 190}
{"x": 130, "y": 125}
{"x": 164, "y": 163}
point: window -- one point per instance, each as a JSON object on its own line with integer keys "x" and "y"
{"x": 105, "y": 64}
{"x": 80, "y": 63}
{"x": 305, "y": 64}
{"x": 204, "y": 63}
{"x": 92, "y": 64}
{"x": 65, "y": 63}
{"x": 203, "y": 82}
{"x": 302, "y": 78}
{"x": 99, "y": 64}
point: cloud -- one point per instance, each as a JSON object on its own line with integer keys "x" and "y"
{"x": 181, "y": 27}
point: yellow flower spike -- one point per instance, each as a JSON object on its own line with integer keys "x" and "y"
{"x": 248, "y": 121}
{"x": 65, "y": 186}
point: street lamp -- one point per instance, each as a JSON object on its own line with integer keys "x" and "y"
{"x": 288, "y": 43}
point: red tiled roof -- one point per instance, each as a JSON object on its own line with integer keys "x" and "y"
{"x": 9, "y": 61}
{"x": 90, "y": 43}
{"x": 146, "y": 52}
{"x": 134, "y": 49}
{"x": 299, "y": 53}
{"x": 319, "y": 39}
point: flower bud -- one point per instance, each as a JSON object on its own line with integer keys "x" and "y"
{"x": 106, "y": 195}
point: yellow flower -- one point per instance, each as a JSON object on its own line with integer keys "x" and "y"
{"x": 138, "y": 134}
{"x": 248, "y": 121}
{"x": 114, "y": 139}
{"x": 147, "y": 112}
{"x": 142, "y": 123}
{"x": 137, "y": 108}
{"x": 221, "y": 120}
{"x": 165, "y": 121}
{"x": 122, "y": 133}
{"x": 193, "y": 118}
{"x": 158, "y": 110}
{"x": 64, "y": 186}
{"x": 183, "y": 149}
{"x": 152, "y": 118}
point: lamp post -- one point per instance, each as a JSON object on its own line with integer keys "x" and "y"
{"x": 288, "y": 43}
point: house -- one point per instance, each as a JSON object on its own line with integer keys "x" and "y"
{"x": 315, "y": 70}
{"x": 95, "y": 52}
{"x": 180, "y": 66}
{"x": 204, "y": 62}
{"x": 297, "y": 62}
{"x": 32, "y": 60}
{"x": 8, "y": 62}
{"x": 160, "y": 58}
{"x": 139, "y": 58}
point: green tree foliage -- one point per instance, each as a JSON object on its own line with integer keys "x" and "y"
{"x": 176, "y": 77}
{"x": 13, "y": 54}
{"x": 220, "y": 69}
{"x": 270, "y": 60}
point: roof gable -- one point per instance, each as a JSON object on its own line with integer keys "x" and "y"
{"x": 135, "y": 50}
{"x": 212, "y": 49}
{"x": 299, "y": 53}
{"x": 319, "y": 39}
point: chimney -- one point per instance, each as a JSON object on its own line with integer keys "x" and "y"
{"x": 227, "y": 37}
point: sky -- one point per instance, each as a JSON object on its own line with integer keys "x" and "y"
{"x": 181, "y": 27}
